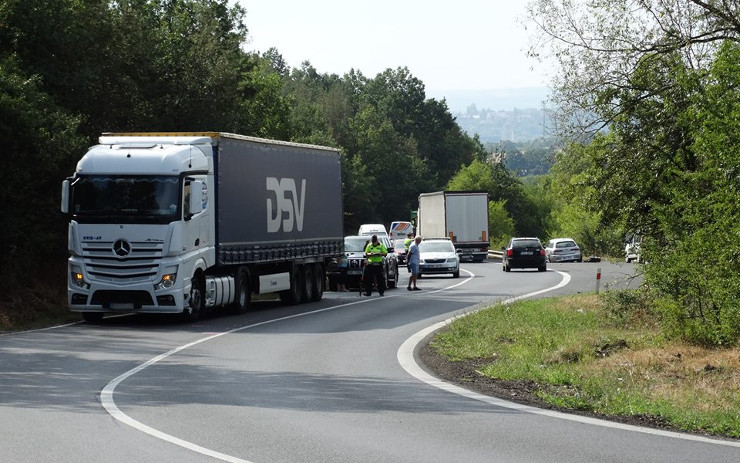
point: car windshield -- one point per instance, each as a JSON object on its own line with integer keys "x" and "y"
{"x": 355, "y": 244}
{"x": 436, "y": 246}
{"x": 519, "y": 244}
{"x": 566, "y": 244}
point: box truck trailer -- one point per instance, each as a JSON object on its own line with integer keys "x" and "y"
{"x": 187, "y": 222}
{"x": 461, "y": 216}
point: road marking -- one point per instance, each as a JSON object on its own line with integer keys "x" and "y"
{"x": 106, "y": 395}
{"x": 407, "y": 361}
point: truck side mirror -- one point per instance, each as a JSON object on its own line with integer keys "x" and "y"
{"x": 196, "y": 197}
{"x": 65, "y": 197}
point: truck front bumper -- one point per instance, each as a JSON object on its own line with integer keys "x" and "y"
{"x": 142, "y": 298}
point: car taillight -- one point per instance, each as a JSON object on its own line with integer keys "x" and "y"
{"x": 542, "y": 252}
{"x": 509, "y": 252}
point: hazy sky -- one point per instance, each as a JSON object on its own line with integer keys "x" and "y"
{"x": 449, "y": 45}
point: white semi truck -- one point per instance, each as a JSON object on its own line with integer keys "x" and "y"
{"x": 461, "y": 216}
{"x": 185, "y": 222}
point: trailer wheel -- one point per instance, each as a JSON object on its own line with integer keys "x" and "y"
{"x": 197, "y": 300}
{"x": 308, "y": 283}
{"x": 318, "y": 285}
{"x": 292, "y": 296}
{"x": 243, "y": 296}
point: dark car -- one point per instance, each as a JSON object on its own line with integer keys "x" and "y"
{"x": 349, "y": 269}
{"x": 524, "y": 253}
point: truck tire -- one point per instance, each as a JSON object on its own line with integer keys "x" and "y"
{"x": 292, "y": 296}
{"x": 243, "y": 295}
{"x": 308, "y": 282}
{"x": 318, "y": 285}
{"x": 92, "y": 317}
{"x": 197, "y": 301}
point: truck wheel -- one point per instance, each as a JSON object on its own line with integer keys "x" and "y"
{"x": 318, "y": 285}
{"x": 243, "y": 296}
{"x": 308, "y": 283}
{"x": 292, "y": 296}
{"x": 197, "y": 300}
{"x": 92, "y": 317}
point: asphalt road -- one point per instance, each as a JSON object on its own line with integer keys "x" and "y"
{"x": 333, "y": 381}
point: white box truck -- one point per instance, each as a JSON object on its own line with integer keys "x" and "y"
{"x": 461, "y": 216}
{"x": 186, "y": 222}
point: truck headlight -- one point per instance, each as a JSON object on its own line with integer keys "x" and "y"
{"x": 168, "y": 280}
{"x": 76, "y": 276}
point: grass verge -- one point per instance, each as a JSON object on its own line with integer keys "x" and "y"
{"x": 601, "y": 354}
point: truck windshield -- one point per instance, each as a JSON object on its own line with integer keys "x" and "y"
{"x": 140, "y": 199}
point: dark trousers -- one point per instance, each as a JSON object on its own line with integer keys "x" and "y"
{"x": 374, "y": 275}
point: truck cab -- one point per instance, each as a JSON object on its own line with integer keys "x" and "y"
{"x": 140, "y": 225}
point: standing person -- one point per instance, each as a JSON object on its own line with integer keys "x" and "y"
{"x": 407, "y": 244}
{"x": 375, "y": 251}
{"x": 413, "y": 259}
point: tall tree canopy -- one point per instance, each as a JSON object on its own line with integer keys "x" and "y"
{"x": 653, "y": 84}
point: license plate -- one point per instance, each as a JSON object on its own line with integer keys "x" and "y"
{"x": 122, "y": 306}
{"x": 354, "y": 272}
{"x": 526, "y": 253}
{"x": 434, "y": 265}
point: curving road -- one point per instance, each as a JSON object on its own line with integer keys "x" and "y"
{"x": 333, "y": 381}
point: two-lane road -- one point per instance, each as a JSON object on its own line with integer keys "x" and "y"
{"x": 318, "y": 382}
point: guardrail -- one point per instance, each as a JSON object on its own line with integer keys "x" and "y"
{"x": 495, "y": 254}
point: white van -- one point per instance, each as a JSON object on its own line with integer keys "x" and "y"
{"x": 399, "y": 230}
{"x": 369, "y": 229}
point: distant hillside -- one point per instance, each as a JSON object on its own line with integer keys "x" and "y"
{"x": 458, "y": 101}
{"x": 517, "y": 125}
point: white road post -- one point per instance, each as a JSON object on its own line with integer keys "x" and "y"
{"x": 598, "y": 279}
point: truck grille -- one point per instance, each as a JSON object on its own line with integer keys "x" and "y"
{"x": 139, "y": 262}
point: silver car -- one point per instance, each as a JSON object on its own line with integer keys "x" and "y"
{"x": 563, "y": 250}
{"x": 438, "y": 256}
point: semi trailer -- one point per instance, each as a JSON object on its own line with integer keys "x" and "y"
{"x": 461, "y": 216}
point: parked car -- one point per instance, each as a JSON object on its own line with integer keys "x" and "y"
{"x": 351, "y": 266}
{"x": 524, "y": 253}
{"x": 370, "y": 229}
{"x": 563, "y": 250}
{"x": 438, "y": 256}
{"x": 399, "y": 248}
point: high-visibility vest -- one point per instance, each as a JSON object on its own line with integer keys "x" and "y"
{"x": 407, "y": 243}
{"x": 377, "y": 248}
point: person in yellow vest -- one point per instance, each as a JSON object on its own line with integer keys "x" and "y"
{"x": 374, "y": 252}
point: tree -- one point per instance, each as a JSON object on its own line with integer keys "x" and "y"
{"x": 597, "y": 44}
{"x": 40, "y": 148}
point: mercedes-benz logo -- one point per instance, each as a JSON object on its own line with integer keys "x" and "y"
{"x": 121, "y": 248}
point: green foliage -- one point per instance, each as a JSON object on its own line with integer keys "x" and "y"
{"x": 500, "y": 224}
{"x": 40, "y": 147}
{"x": 527, "y": 207}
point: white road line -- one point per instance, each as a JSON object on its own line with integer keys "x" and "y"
{"x": 106, "y": 395}
{"x": 406, "y": 359}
